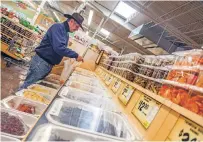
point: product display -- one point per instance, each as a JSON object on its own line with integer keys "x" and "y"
{"x": 91, "y": 119}
{"x": 24, "y": 105}
{"x": 15, "y": 124}
{"x": 153, "y": 86}
{"x": 12, "y": 124}
{"x": 43, "y": 89}
{"x": 34, "y": 96}
{"x": 53, "y": 79}
{"x": 47, "y": 84}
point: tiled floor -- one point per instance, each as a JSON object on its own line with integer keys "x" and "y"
{"x": 11, "y": 77}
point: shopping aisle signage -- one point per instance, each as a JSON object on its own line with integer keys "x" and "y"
{"x": 126, "y": 94}
{"x": 146, "y": 109}
{"x": 109, "y": 80}
{"x": 186, "y": 130}
{"x": 116, "y": 85}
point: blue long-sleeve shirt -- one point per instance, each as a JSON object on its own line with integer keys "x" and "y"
{"x": 53, "y": 46}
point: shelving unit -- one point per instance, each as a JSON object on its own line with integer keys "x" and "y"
{"x": 192, "y": 116}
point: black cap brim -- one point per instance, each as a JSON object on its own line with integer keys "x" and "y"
{"x": 71, "y": 17}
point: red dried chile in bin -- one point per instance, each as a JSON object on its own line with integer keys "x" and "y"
{"x": 11, "y": 124}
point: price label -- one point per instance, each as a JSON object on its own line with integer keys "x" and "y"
{"x": 146, "y": 109}
{"x": 116, "y": 85}
{"x": 126, "y": 94}
{"x": 109, "y": 80}
{"x": 186, "y": 130}
{"x": 103, "y": 78}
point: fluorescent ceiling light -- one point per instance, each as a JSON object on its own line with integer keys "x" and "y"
{"x": 124, "y": 10}
{"x": 56, "y": 16}
{"x": 90, "y": 17}
{"x": 87, "y": 33}
{"x": 105, "y": 32}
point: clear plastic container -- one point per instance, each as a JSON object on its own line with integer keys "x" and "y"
{"x": 88, "y": 98}
{"x": 50, "y": 132}
{"x": 177, "y": 95}
{"x": 15, "y": 123}
{"x": 131, "y": 66}
{"x": 5, "y": 138}
{"x": 85, "y": 87}
{"x": 199, "y": 82}
{"x": 48, "y": 84}
{"x": 194, "y": 103}
{"x": 86, "y": 118}
{"x": 149, "y": 59}
{"x": 53, "y": 78}
{"x": 85, "y": 80}
{"x": 153, "y": 86}
{"x": 15, "y": 102}
{"x": 141, "y": 81}
{"x": 128, "y": 75}
{"x": 160, "y": 74}
{"x": 42, "y": 89}
{"x": 189, "y": 58}
{"x": 36, "y": 96}
{"x": 187, "y": 77}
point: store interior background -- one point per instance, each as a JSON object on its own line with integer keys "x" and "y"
{"x": 147, "y": 27}
{"x": 118, "y": 28}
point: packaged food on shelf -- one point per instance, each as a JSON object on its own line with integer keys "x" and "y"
{"x": 15, "y": 124}
{"x": 149, "y": 59}
{"x": 131, "y": 66}
{"x": 153, "y": 86}
{"x": 177, "y": 95}
{"x": 53, "y": 78}
{"x": 5, "y": 138}
{"x": 74, "y": 115}
{"x": 195, "y": 102}
{"x": 141, "y": 81}
{"x": 128, "y": 75}
{"x": 24, "y": 105}
{"x": 85, "y": 87}
{"x": 167, "y": 60}
{"x": 199, "y": 82}
{"x": 48, "y": 84}
{"x": 187, "y": 77}
{"x": 160, "y": 74}
{"x": 39, "y": 97}
{"x": 43, "y": 89}
{"x": 189, "y": 58}
{"x": 88, "y": 98}
{"x": 50, "y": 132}
{"x": 142, "y": 70}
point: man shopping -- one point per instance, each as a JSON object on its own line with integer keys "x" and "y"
{"x": 53, "y": 48}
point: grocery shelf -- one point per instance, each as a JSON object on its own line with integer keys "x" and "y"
{"x": 192, "y": 116}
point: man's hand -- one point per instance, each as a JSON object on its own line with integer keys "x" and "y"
{"x": 80, "y": 59}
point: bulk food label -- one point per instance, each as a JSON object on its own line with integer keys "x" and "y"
{"x": 109, "y": 80}
{"x": 116, "y": 85}
{"x": 126, "y": 94}
{"x": 146, "y": 109}
{"x": 186, "y": 130}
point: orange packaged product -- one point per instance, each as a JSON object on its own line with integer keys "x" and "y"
{"x": 195, "y": 103}
{"x": 166, "y": 91}
{"x": 189, "y": 58}
{"x": 199, "y": 82}
{"x": 187, "y": 77}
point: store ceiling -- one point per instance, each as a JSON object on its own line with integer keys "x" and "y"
{"x": 182, "y": 21}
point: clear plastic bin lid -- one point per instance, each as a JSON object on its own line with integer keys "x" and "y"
{"x": 85, "y": 87}
{"x": 88, "y": 98}
{"x": 72, "y": 114}
{"x": 84, "y": 74}
{"x": 50, "y": 132}
{"x": 86, "y": 80}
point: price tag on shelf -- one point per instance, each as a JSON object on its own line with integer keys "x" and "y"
{"x": 126, "y": 94}
{"x": 116, "y": 85}
{"x": 186, "y": 130}
{"x": 146, "y": 109}
{"x": 109, "y": 80}
{"x": 103, "y": 78}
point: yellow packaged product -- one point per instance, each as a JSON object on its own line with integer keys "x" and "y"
{"x": 34, "y": 96}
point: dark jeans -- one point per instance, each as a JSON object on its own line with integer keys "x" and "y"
{"x": 38, "y": 70}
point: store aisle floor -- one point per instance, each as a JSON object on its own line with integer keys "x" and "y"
{"x": 10, "y": 78}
